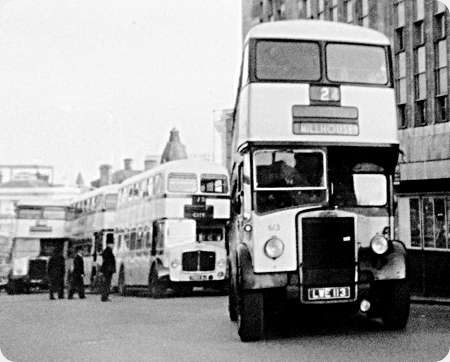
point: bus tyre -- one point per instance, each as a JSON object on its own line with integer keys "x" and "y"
{"x": 232, "y": 302}
{"x": 396, "y": 303}
{"x": 121, "y": 283}
{"x": 155, "y": 287}
{"x": 251, "y": 316}
{"x": 11, "y": 287}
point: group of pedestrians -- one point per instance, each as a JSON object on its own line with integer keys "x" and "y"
{"x": 56, "y": 273}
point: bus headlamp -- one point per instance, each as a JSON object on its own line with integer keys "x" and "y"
{"x": 221, "y": 263}
{"x": 379, "y": 244}
{"x": 248, "y": 228}
{"x": 174, "y": 263}
{"x": 274, "y": 248}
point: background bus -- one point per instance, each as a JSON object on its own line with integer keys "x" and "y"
{"x": 170, "y": 228}
{"x": 40, "y": 228}
{"x": 93, "y": 217}
{"x": 314, "y": 149}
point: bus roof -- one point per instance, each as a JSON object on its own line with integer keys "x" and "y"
{"x": 180, "y": 166}
{"x": 317, "y": 30}
{"x": 107, "y": 189}
{"x": 43, "y": 203}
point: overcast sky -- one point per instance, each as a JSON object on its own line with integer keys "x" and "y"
{"x": 85, "y": 82}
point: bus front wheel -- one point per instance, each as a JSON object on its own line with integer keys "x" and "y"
{"x": 232, "y": 301}
{"x": 155, "y": 287}
{"x": 396, "y": 304}
{"x": 251, "y": 316}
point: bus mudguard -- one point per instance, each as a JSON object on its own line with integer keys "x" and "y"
{"x": 389, "y": 266}
{"x": 250, "y": 280}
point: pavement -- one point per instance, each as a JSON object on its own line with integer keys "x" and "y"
{"x": 430, "y": 300}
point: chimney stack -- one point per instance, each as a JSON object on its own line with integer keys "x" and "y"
{"x": 149, "y": 163}
{"x": 105, "y": 174}
{"x": 127, "y": 164}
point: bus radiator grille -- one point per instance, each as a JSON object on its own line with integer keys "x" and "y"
{"x": 199, "y": 261}
{"x": 328, "y": 250}
{"x": 38, "y": 269}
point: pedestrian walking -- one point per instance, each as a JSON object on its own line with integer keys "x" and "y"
{"x": 56, "y": 271}
{"x": 108, "y": 267}
{"x": 77, "y": 282}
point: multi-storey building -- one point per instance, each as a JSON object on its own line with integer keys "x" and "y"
{"x": 418, "y": 30}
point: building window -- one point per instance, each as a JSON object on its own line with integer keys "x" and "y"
{"x": 363, "y": 18}
{"x": 429, "y": 221}
{"x": 321, "y": 10}
{"x": 400, "y": 83}
{"x": 402, "y": 120}
{"x": 308, "y": 9}
{"x": 419, "y": 10}
{"x": 414, "y": 222}
{"x": 399, "y": 41}
{"x": 441, "y": 80}
{"x": 334, "y": 10}
{"x": 420, "y": 114}
{"x": 440, "y": 27}
{"x": 281, "y": 11}
{"x": 420, "y": 73}
{"x": 348, "y": 11}
{"x": 419, "y": 33}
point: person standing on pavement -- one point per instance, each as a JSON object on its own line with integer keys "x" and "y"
{"x": 108, "y": 267}
{"x": 56, "y": 270}
{"x": 77, "y": 282}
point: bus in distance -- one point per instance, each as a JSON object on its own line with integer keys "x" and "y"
{"x": 92, "y": 218}
{"x": 40, "y": 229}
{"x": 313, "y": 152}
{"x": 170, "y": 228}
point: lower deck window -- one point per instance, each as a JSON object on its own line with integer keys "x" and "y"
{"x": 429, "y": 222}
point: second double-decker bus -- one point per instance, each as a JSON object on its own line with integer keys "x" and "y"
{"x": 313, "y": 152}
{"x": 40, "y": 228}
{"x": 170, "y": 228}
{"x": 92, "y": 218}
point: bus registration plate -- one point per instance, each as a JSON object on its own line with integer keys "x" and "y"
{"x": 328, "y": 293}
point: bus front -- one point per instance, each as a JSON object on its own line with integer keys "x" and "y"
{"x": 40, "y": 229}
{"x": 201, "y": 200}
{"x": 314, "y": 152}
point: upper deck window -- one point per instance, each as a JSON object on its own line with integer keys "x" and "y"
{"x": 286, "y": 178}
{"x": 287, "y": 60}
{"x": 111, "y": 201}
{"x": 29, "y": 213}
{"x": 356, "y": 63}
{"x": 182, "y": 182}
{"x": 54, "y": 213}
{"x": 216, "y": 184}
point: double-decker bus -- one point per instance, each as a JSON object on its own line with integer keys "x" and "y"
{"x": 93, "y": 217}
{"x": 40, "y": 227}
{"x": 314, "y": 147}
{"x": 170, "y": 228}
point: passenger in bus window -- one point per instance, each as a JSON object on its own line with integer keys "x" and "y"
{"x": 76, "y": 282}
{"x": 56, "y": 270}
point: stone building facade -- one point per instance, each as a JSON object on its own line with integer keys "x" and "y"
{"x": 418, "y": 30}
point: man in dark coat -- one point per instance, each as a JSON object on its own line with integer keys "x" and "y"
{"x": 108, "y": 267}
{"x": 77, "y": 282}
{"x": 56, "y": 269}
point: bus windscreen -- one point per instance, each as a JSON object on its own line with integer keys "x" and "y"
{"x": 287, "y": 61}
{"x": 286, "y": 178}
{"x": 354, "y": 63}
